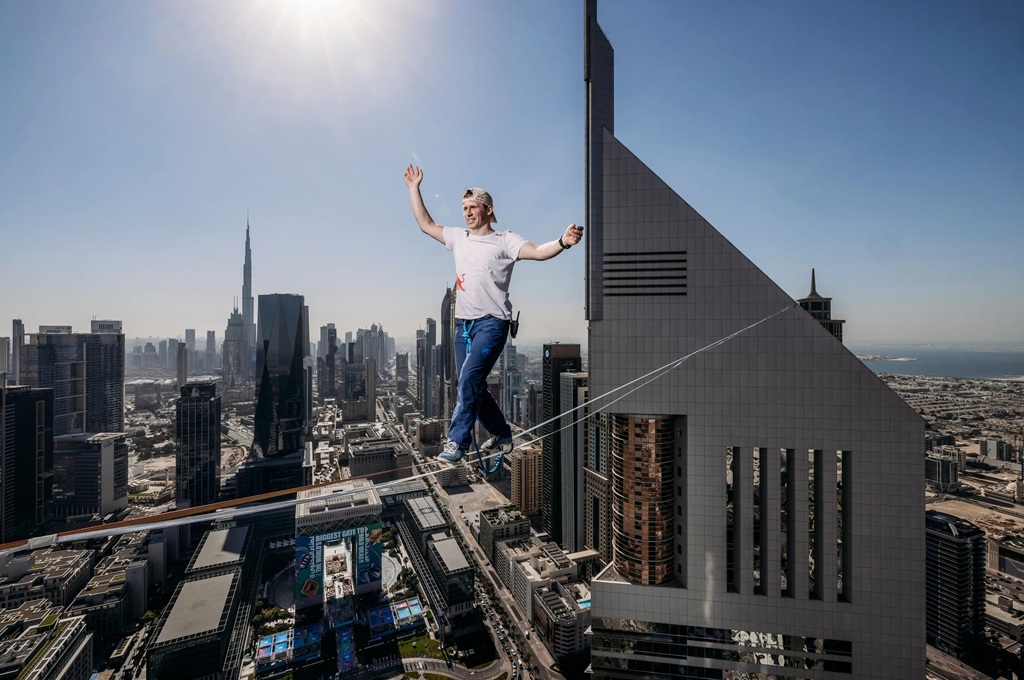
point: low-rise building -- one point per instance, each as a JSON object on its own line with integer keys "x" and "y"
{"x": 952, "y": 453}
{"x": 449, "y": 475}
{"x": 394, "y": 495}
{"x": 537, "y": 572}
{"x": 410, "y": 421}
{"x": 55, "y": 575}
{"x": 508, "y": 552}
{"x": 105, "y": 603}
{"x": 337, "y": 506}
{"x": 500, "y": 524}
{"x": 561, "y": 614}
{"x": 531, "y": 564}
{"x": 381, "y": 461}
{"x": 453, "y": 575}
{"x": 1006, "y": 555}
{"x": 430, "y": 437}
{"x": 941, "y": 474}
{"x": 1004, "y": 615}
{"x": 424, "y": 520}
{"x": 934, "y": 440}
{"x": 193, "y": 634}
{"x": 55, "y": 648}
{"x": 220, "y": 551}
{"x": 995, "y": 448}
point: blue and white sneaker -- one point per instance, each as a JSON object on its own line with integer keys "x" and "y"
{"x": 452, "y": 453}
{"x": 496, "y": 443}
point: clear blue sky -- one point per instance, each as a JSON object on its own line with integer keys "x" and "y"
{"x": 879, "y": 142}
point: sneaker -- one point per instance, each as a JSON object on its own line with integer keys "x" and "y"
{"x": 452, "y": 453}
{"x": 496, "y": 443}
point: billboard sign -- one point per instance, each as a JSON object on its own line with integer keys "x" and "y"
{"x": 368, "y": 548}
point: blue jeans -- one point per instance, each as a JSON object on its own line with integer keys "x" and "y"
{"x": 478, "y": 344}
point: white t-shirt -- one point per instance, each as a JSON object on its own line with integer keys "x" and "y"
{"x": 483, "y": 269}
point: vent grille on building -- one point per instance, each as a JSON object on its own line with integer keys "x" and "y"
{"x": 659, "y": 273}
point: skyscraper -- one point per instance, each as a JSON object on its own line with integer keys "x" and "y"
{"x": 197, "y": 469}
{"x": 308, "y": 364}
{"x": 430, "y": 372}
{"x": 955, "y": 590}
{"x": 371, "y": 389}
{"x": 325, "y": 335}
{"x": 402, "y": 373}
{"x": 5, "y": 357}
{"x": 182, "y": 364}
{"x": 211, "y": 350}
{"x": 26, "y": 461}
{"x": 534, "y": 404}
{"x": 248, "y": 313}
{"x": 236, "y": 370}
{"x": 421, "y": 369}
{"x": 511, "y": 383}
{"x": 281, "y": 380}
{"x": 85, "y": 372}
{"x": 820, "y": 309}
{"x": 573, "y": 393}
{"x": 750, "y": 483}
{"x": 90, "y": 474}
{"x": 190, "y": 340}
{"x": 328, "y": 363}
{"x": 449, "y": 384}
{"x": 17, "y": 340}
{"x": 557, "y": 359}
{"x": 525, "y": 464}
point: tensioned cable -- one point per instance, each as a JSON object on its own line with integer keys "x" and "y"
{"x": 648, "y": 378}
{"x": 226, "y": 510}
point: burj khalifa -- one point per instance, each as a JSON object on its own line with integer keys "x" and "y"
{"x": 248, "y": 318}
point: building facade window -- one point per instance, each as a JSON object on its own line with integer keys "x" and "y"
{"x": 813, "y": 524}
{"x": 757, "y": 494}
{"x": 643, "y": 458}
{"x": 786, "y": 542}
{"x": 843, "y": 529}
{"x": 731, "y": 465}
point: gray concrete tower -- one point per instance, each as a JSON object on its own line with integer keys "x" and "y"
{"x": 767, "y": 493}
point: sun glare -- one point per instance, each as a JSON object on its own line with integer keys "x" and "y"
{"x": 319, "y": 18}
{"x": 306, "y": 52}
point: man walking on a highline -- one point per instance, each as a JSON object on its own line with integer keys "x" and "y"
{"x": 483, "y": 267}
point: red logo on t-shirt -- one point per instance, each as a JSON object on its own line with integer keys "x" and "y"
{"x": 458, "y": 282}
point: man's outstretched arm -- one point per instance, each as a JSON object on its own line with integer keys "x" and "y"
{"x": 413, "y": 178}
{"x": 573, "y": 235}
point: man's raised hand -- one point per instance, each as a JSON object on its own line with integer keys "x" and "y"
{"x": 413, "y": 176}
{"x": 573, "y": 235}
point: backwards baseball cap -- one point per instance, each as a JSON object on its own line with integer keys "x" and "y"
{"x": 480, "y": 196}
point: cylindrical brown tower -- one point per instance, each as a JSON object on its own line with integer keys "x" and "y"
{"x": 642, "y": 458}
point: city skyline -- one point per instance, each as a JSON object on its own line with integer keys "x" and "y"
{"x": 706, "y": 480}
{"x": 870, "y": 145}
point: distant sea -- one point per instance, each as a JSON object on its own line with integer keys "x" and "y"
{"x": 943, "y": 362}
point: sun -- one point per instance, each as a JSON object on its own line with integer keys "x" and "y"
{"x": 318, "y": 20}
{"x": 305, "y": 55}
